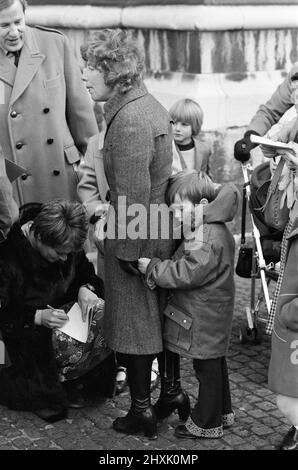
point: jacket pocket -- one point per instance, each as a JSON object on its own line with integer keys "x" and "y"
{"x": 53, "y": 82}
{"x": 72, "y": 154}
{"x": 177, "y": 328}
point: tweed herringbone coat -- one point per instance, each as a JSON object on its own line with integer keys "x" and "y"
{"x": 137, "y": 159}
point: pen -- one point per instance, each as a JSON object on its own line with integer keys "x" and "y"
{"x": 57, "y": 309}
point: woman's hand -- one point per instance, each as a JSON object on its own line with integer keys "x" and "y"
{"x": 143, "y": 264}
{"x": 100, "y": 233}
{"x": 86, "y": 300}
{"x": 52, "y": 318}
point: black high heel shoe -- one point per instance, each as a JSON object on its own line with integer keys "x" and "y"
{"x": 169, "y": 403}
{"x": 141, "y": 416}
{"x": 138, "y": 421}
{"x": 172, "y": 396}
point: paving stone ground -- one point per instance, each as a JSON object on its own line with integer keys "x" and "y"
{"x": 258, "y": 426}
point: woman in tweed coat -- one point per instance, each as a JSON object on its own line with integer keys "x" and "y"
{"x": 137, "y": 159}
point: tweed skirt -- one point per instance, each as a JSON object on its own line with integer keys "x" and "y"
{"x": 133, "y": 313}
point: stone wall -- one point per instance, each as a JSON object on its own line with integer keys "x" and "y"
{"x": 229, "y": 58}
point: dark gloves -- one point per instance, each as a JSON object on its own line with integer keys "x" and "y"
{"x": 243, "y": 147}
{"x": 131, "y": 267}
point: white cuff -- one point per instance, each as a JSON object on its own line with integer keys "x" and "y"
{"x": 37, "y": 318}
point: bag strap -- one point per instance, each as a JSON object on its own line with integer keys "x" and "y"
{"x": 243, "y": 215}
{"x": 274, "y": 182}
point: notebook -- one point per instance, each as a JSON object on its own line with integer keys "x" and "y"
{"x": 256, "y": 139}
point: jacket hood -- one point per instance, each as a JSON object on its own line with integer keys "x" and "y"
{"x": 224, "y": 207}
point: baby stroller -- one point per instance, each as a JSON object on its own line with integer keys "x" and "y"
{"x": 260, "y": 259}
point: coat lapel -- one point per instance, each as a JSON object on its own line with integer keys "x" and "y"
{"x": 7, "y": 69}
{"x": 198, "y": 155}
{"x": 29, "y": 63}
{"x": 118, "y": 101}
{"x": 294, "y": 132}
{"x": 294, "y": 217}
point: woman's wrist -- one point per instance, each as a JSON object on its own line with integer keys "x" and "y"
{"x": 38, "y": 318}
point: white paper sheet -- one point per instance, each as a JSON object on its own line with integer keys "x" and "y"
{"x": 256, "y": 139}
{"x": 75, "y": 327}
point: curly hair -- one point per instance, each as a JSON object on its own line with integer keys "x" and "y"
{"x": 120, "y": 57}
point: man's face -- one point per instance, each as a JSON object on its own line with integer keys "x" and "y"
{"x": 12, "y": 27}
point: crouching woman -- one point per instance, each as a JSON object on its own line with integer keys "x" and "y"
{"x": 43, "y": 271}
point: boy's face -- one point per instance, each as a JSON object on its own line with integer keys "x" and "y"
{"x": 182, "y": 132}
{"x": 183, "y": 210}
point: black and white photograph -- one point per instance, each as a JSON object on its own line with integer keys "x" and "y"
{"x": 148, "y": 230}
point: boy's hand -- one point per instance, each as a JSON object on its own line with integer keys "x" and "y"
{"x": 143, "y": 264}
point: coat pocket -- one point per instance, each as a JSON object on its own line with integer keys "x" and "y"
{"x": 177, "y": 328}
{"x": 283, "y": 367}
{"x": 53, "y": 82}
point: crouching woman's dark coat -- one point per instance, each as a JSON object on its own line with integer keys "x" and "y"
{"x": 27, "y": 283}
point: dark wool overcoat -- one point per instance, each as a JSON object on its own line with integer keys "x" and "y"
{"x": 137, "y": 159}
{"x": 27, "y": 283}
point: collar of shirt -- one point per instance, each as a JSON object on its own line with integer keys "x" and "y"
{"x": 6, "y": 52}
{"x": 15, "y": 55}
{"x": 11, "y": 53}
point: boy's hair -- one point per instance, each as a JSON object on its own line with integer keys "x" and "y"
{"x": 190, "y": 184}
{"x": 189, "y": 111}
{"x": 61, "y": 223}
{"x": 119, "y": 56}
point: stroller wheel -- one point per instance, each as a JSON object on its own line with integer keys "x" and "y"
{"x": 257, "y": 335}
{"x": 250, "y": 335}
{"x": 244, "y": 333}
